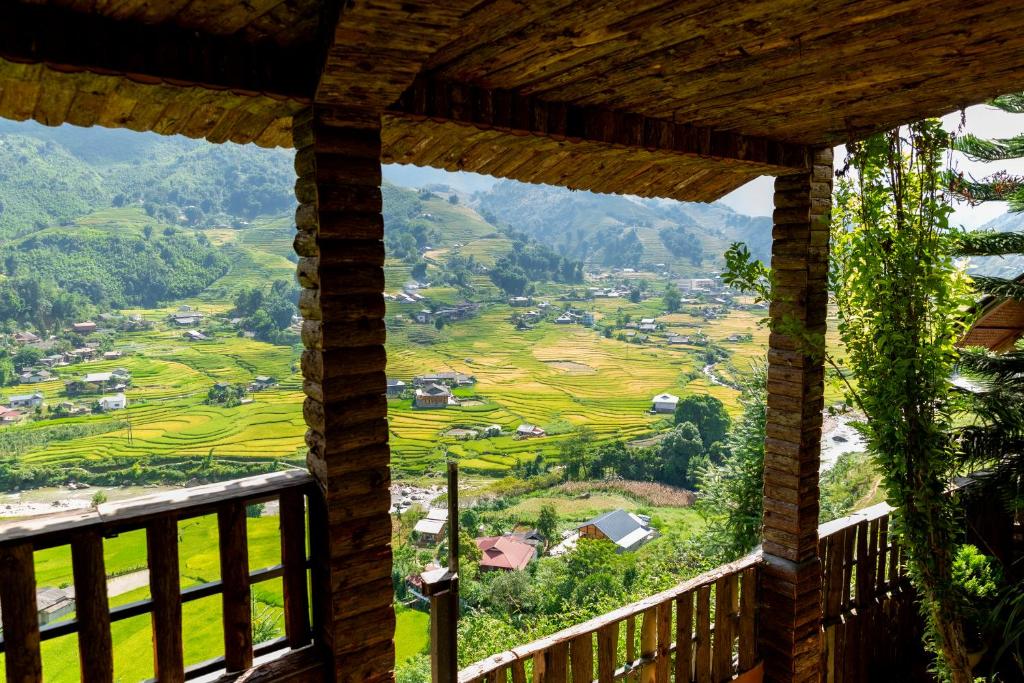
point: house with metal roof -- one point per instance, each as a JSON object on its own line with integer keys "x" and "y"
{"x": 626, "y": 530}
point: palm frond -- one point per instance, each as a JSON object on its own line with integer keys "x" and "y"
{"x": 996, "y": 149}
{"x": 987, "y": 243}
{"x": 995, "y": 367}
{"x": 1012, "y": 103}
{"x": 997, "y": 187}
{"x": 998, "y": 287}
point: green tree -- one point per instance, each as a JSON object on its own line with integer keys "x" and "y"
{"x": 899, "y": 296}
{"x": 547, "y": 523}
{"x": 671, "y": 298}
{"x": 705, "y": 412}
{"x": 678, "y": 452}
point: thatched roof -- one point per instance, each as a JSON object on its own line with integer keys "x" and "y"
{"x": 680, "y": 99}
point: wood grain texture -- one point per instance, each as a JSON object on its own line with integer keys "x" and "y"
{"x": 165, "y": 590}
{"x": 235, "y": 595}
{"x": 22, "y": 661}
{"x": 95, "y": 647}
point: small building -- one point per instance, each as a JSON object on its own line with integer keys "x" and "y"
{"x": 564, "y": 319}
{"x": 664, "y": 403}
{"x": 87, "y": 327}
{"x": 115, "y": 402}
{"x": 112, "y": 355}
{"x": 647, "y": 327}
{"x": 84, "y": 353}
{"x": 25, "y": 338}
{"x": 35, "y": 376}
{"x": 261, "y": 382}
{"x": 431, "y": 529}
{"x": 588, "y": 318}
{"x": 519, "y": 301}
{"x": 423, "y": 316}
{"x": 528, "y": 431}
{"x": 448, "y": 378}
{"x": 195, "y": 335}
{"x": 678, "y": 339}
{"x": 54, "y": 603}
{"x": 26, "y": 400}
{"x": 396, "y": 387}
{"x": 432, "y": 396}
{"x": 626, "y": 530}
{"x": 504, "y": 553}
{"x": 9, "y": 415}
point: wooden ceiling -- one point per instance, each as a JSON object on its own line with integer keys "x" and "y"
{"x": 1000, "y": 324}
{"x": 702, "y": 95}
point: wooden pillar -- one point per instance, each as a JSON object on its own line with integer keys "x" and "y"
{"x": 340, "y": 244}
{"x": 790, "y": 619}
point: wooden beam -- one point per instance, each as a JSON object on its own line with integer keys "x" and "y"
{"x": 95, "y": 646}
{"x": 69, "y": 41}
{"x": 506, "y": 111}
{"x": 22, "y": 660}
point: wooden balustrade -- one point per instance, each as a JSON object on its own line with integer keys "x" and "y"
{"x": 687, "y": 633}
{"x": 158, "y": 515}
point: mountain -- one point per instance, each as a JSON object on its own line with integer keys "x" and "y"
{"x": 613, "y": 230}
{"x": 1000, "y": 266}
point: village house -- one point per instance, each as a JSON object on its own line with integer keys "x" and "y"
{"x": 53, "y": 361}
{"x": 448, "y": 377}
{"x": 9, "y": 415}
{"x": 431, "y": 529}
{"x": 519, "y": 301}
{"x": 261, "y": 382}
{"x": 424, "y": 316}
{"x": 81, "y": 354}
{"x": 395, "y": 387}
{"x": 25, "y": 338}
{"x": 529, "y": 431}
{"x": 647, "y": 327}
{"x": 112, "y": 355}
{"x": 625, "y": 529}
{"x": 432, "y": 396}
{"x": 587, "y": 318}
{"x": 195, "y": 335}
{"x": 34, "y": 376}
{"x": 115, "y": 402}
{"x": 677, "y": 339}
{"x": 504, "y": 553}
{"x": 664, "y": 403}
{"x": 26, "y": 400}
{"x": 54, "y": 603}
{"x": 87, "y": 327}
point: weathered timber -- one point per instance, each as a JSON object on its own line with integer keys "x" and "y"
{"x": 341, "y": 233}
{"x": 20, "y": 619}
{"x": 235, "y": 595}
{"x": 293, "y": 559}
{"x": 95, "y": 647}
{"x": 164, "y": 587}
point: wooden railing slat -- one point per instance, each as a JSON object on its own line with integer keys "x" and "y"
{"x": 581, "y": 655}
{"x": 725, "y": 589}
{"x": 556, "y": 664}
{"x": 92, "y": 609}
{"x": 684, "y": 638}
{"x": 236, "y": 596}
{"x": 631, "y": 644}
{"x": 883, "y": 552}
{"x": 22, "y": 659}
{"x": 865, "y": 572}
{"x": 165, "y": 589}
{"x": 664, "y": 642}
{"x": 702, "y": 665}
{"x": 748, "y": 620}
{"x": 518, "y": 672}
{"x": 649, "y": 644}
{"x": 293, "y": 558}
{"x": 607, "y": 651}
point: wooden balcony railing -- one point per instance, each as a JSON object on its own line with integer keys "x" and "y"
{"x": 158, "y": 515}
{"x": 687, "y": 633}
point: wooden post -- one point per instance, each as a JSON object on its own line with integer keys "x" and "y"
{"x": 443, "y": 590}
{"x": 165, "y": 589}
{"x": 22, "y": 660}
{"x": 339, "y": 238}
{"x": 790, "y": 622}
{"x": 95, "y": 649}
{"x": 236, "y": 596}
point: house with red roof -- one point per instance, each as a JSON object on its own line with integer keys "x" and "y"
{"x": 504, "y": 553}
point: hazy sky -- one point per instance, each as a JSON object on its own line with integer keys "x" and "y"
{"x": 755, "y": 198}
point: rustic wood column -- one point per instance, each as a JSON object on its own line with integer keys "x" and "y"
{"x": 340, "y": 242}
{"x": 790, "y": 620}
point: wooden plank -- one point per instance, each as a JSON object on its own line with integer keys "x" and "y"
{"x": 607, "y": 652}
{"x": 518, "y": 672}
{"x": 883, "y": 554}
{"x": 581, "y": 655}
{"x": 235, "y": 594}
{"x": 865, "y": 572}
{"x": 293, "y": 559}
{"x": 834, "y": 574}
{"x": 684, "y": 638}
{"x": 165, "y": 590}
{"x": 95, "y": 647}
{"x": 663, "y": 662}
{"x": 631, "y": 645}
{"x": 20, "y": 616}
{"x": 747, "y": 647}
{"x": 702, "y": 664}
{"x": 725, "y": 589}
{"x": 649, "y": 644}
{"x": 556, "y": 664}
